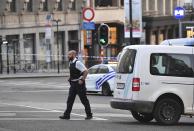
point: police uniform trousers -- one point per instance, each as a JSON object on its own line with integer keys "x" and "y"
{"x": 75, "y": 89}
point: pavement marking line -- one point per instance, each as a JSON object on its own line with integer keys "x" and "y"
{"x": 51, "y": 110}
{"x": 26, "y": 111}
{"x": 28, "y": 119}
{"x": 113, "y": 115}
{"x": 32, "y": 107}
{"x": 37, "y": 91}
{"x": 37, "y": 83}
{"x": 7, "y": 114}
{"x": 93, "y": 116}
{"x": 44, "y": 119}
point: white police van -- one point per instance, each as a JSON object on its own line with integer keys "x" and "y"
{"x": 155, "y": 81}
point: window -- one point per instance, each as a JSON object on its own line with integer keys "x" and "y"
{"x": 13, "y": 6}
{"x": 73, "y": 5}
{"x": 127, "y": 60}
{"x": 45, "y": 5}
{"x": 93, "y": 70}
{"x": 171, "y": 65}
{"x": 103, "y": 70}
{"x": 29, "y": 6}
{"x": 59, "y": 6}
{"x": 105, "y": 3}
{"x": 113, "y": 35}
{"x": 122, "y": 3}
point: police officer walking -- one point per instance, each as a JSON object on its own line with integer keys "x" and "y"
{"x": 78, "y": 73}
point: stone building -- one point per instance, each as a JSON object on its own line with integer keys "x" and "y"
{"x": 31, "y": 32}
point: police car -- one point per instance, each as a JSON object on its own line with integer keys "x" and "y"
{"x": 101, "y": 78}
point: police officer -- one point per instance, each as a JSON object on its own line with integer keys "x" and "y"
{"x": 78, "y": 73}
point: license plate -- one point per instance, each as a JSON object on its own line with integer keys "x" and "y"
{"x": 120, "y": 85}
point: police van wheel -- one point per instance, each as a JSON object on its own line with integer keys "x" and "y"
{"x": 142, "y": 117}
{"x": 167, "y": 111}
{"x": 106, "y": 89}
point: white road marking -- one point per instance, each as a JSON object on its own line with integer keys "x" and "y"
{"x": 51, "y": 110}
{"x": 7, "y": 114}
{"x": 26, "y": 111}
{"x": 45, "y": 119}
{"x": 113, "y": 115}
{"x": 37, "y": 91}
{"x": 28, "y": 119}
{"x": 22, "y": 83}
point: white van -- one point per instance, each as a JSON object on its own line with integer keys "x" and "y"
{"x": 155, "y": 81}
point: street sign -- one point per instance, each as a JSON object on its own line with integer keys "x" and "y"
{"x": 88, "y": 26}
{"x": 179, "y": 12}
{"x": 88, "y": 14}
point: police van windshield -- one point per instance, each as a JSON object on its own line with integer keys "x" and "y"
{"x": 126, "y": 62}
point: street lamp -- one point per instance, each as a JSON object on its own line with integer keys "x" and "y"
{"x": 57, "y": 22}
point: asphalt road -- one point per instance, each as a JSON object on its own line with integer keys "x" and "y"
{"x": 35, "y": 104}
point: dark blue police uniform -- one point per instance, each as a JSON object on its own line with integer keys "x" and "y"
{"x": 76, "y": 88}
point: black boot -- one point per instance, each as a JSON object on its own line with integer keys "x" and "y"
{"x": 89, "y": 117}
{"x": 66, "y": 117}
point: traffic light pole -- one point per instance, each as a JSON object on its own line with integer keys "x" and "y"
{"x": 102, "y": 54}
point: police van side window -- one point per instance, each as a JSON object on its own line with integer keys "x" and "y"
{"x": 179, "y": 65}
{"x": 127, "y": 60}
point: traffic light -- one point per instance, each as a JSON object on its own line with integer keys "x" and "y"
{"x": 103, "y": 35}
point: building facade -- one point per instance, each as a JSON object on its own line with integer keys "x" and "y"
{"x": 30, "y": 28}
{"x": 42, "y": 31}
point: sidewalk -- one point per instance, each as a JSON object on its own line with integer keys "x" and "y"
{"x": 34, "y": 75}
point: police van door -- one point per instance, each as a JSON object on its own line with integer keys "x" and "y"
{"x": 124, "y": 77}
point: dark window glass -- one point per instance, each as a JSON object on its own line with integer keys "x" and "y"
{"x": 45, "y": 5}
{"x": 103, "y": 70}
{"x": 171, "y": 65}
{"x": 60, "y": 6}
{"x": 127, "y": 60}
{"x": 105, "y": 3}
{"x": 93, "y": 70}
{"x": 13, "y": 6}
{"x": 73, "y": 5}
{"x": 29, "y": 6}
{"x": 122, "y": 2}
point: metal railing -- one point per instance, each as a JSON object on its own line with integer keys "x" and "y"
{"x": 41, "y": 66}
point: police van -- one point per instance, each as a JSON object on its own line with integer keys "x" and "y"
{"x": 155, "y": 82}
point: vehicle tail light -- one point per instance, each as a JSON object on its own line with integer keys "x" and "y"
{"x": 136, "y": 84}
